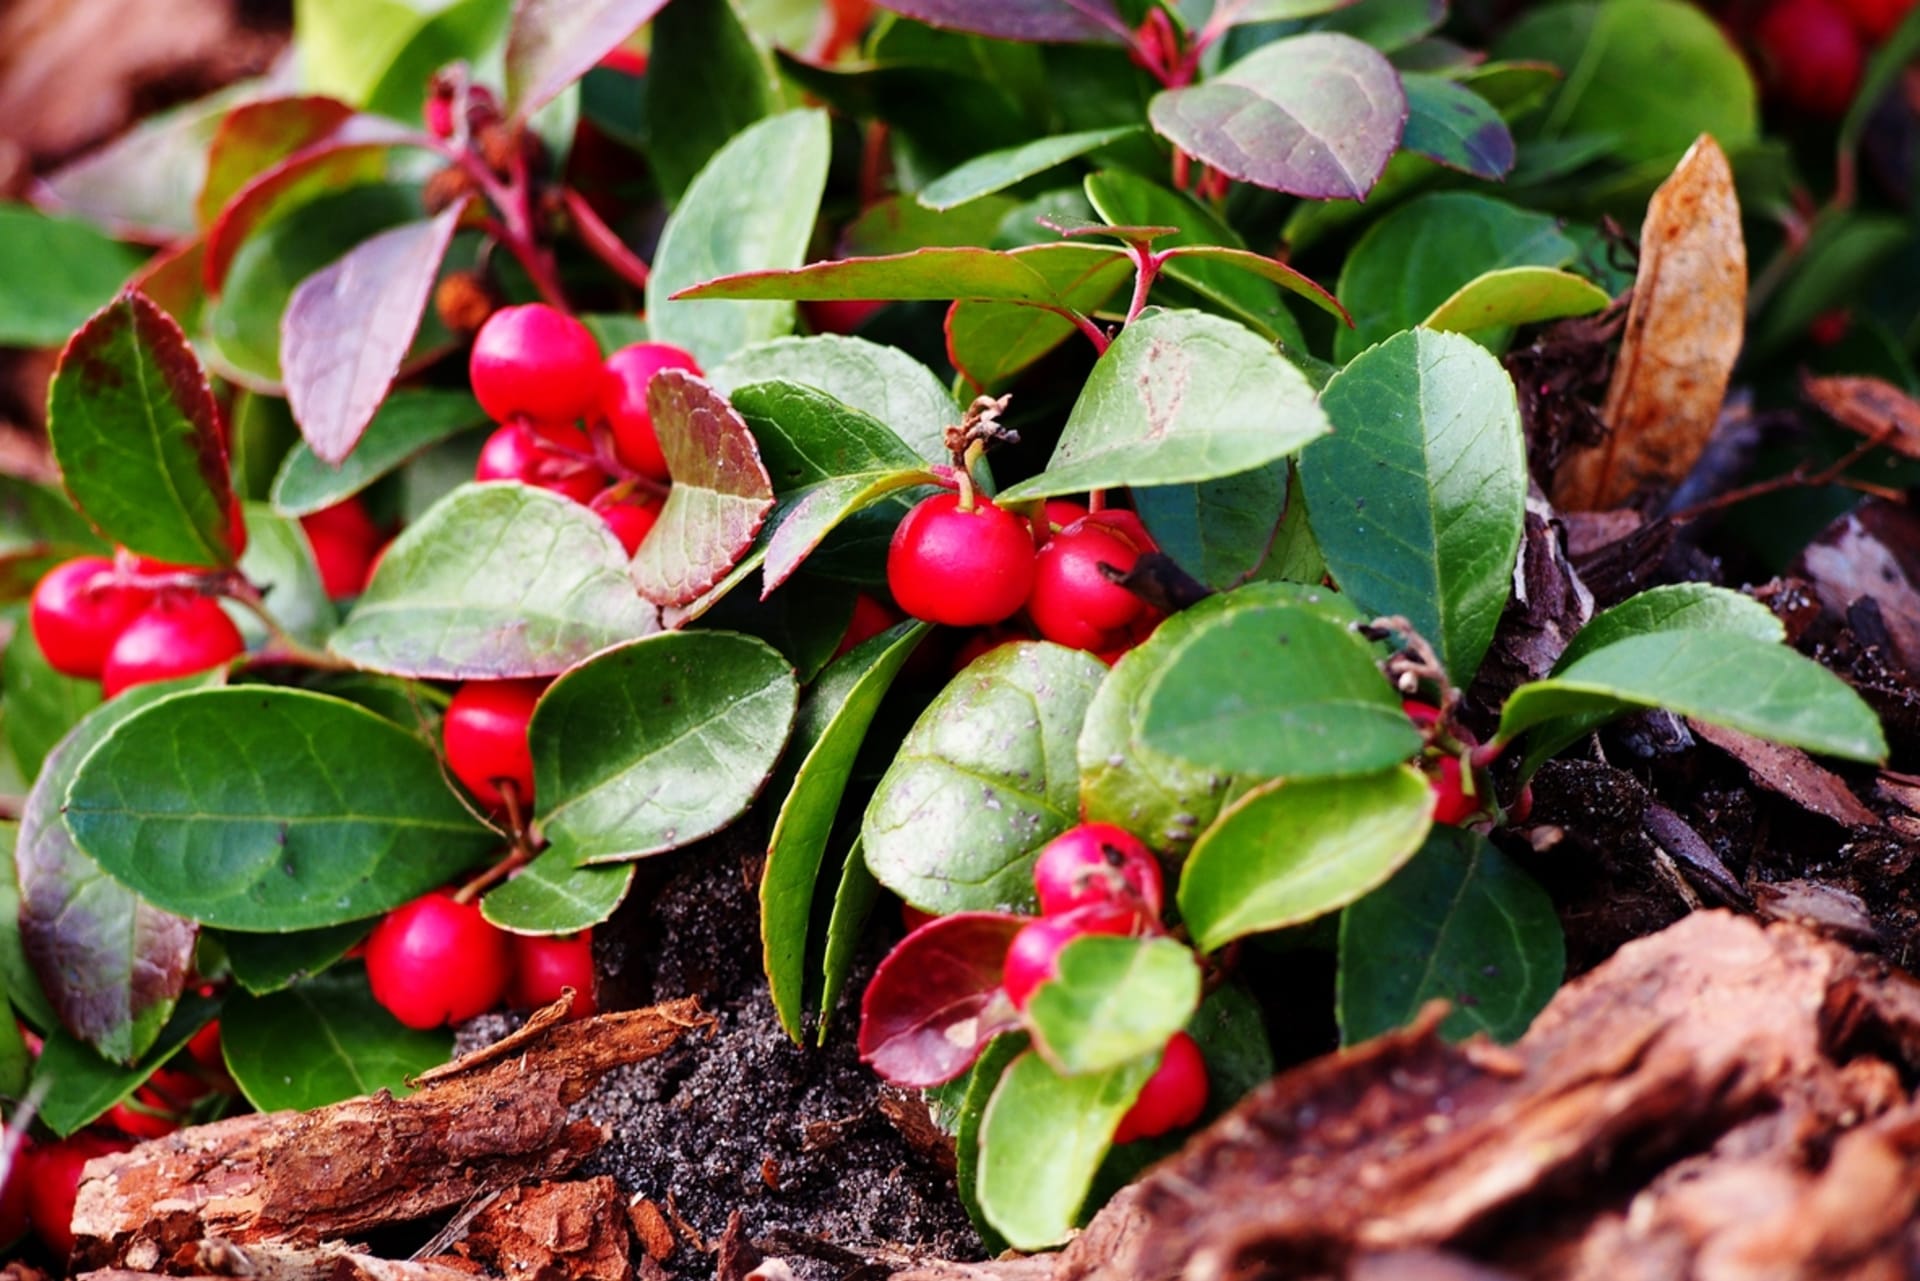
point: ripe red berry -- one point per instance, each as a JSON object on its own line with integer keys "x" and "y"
{"x": 1097, "y": 863}
{"x": 344, "y": 540}
{"x": 1876, "y": 19}
{"x": 485, "y": 733}
{"x": 53, "y": 1184}
{"x": 1073, "y": 603}
{"x": 980, "y": 644}
{"x": 77, "y": 613}
{"x": 870, "y": 618}
{"x": 1451, "y": 804}
{"x": 623, "y": 400}
{"x": 13, "y": 1196}
{"x": 631, "y": 521}
{"x": 542, "y": 966}
{"x": 1815, "y": 56}
{"x": 437, "y": 113}
{"x": 1420, "y": 713}
{"x": 177, "y": 636}
{"x": 535, "y": 361}
{"x": 1173, "y": 1097}
{"x": 1034, "y": 955}
{"x": 1057, "y": 514}
{"x": 435, "y": 961}
{"x": 518, "y": 452}
{"x": 839, "y": 315}
{"x": 963, "y": 568}
{"x": 145, "y": 1116}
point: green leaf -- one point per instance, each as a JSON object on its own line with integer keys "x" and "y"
{"x": 16, "y": 1062}
{"x": 706, "y": 81}
{"x": 998, "y": 170}
{"x": 279, "y": 561}
{"x": 1721, "y": 677}
{"x": 828, "y": 733}
{"x": 1113, "y": 1000}
{"x": 264, "y": 963}
{"x": 1455, "y": 126}
{"x": 751, "y": 208}
{"x": 495, "y": 581}
{"x": 655, "y": 744}
{"x": 1279, "y": 690}
{"x": 1416, "y": 258}
{"x": 991, "y": 342}
{"x": 934, "y": 274}
{"x": 551, "y": 896}
{"x": 1220, "y": 531}
{"x": 1021, "y": 20}
{"x": 883, "y": 383}
{"x": 720, "y": 497}
{"x": 1387, "y": 25}
{"x": 1314, "y": 115}
{"x": 1290, "y": 851}
{"x": 38, "y": 529}
{"x": 1041, "y": 1140}
{"x": 1509, "y": 296}
{"x": 81, "y": 1085}
{"x": 897, "y": 224}
{"x": 41, "y": 704}
{"x": 56, "y": 272}
{"x": 407, "y": 424}
{"x": 111, "y": 964}
{"x": 981, "y": 1081}
{"x": 1675, "y": 607}
{"x": 1460, "y": 921}
{"x": 258, "y": 808}
{"x": 817, "y": 512}
{"x": 985, "y": 777}
{"x": 137, "y": 435}
{"x": 852, "y": 904}
{"x": 1418, "y": 499}
{"x": 1179, "y": 396}
{"x": 323, "y": 1041}
{"x": 17, "y": 979}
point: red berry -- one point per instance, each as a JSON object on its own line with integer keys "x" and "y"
{"x": 535, "y": 361}
{"x": 1421, "y": 714}
{"x": 1876, "y": 19}
{"x": 53, "y": 1183}
{"x": 77, "y": 613}
{"x": 542, "y": 966}
{"x": 437, "y": 114}
{"x": 485, "y": 732}
{"x": 518, "y": 452}
{"x": 1829, "y": 327}
{"x": 912, "y": 918}
{"x": 870, "y": 618}
{"x": 344, "y": 540}
{"x": 177, "y": 636}
{"x": 623, "y": 400}
{"x": 628, "y": 62}
{"x": 1173, "y": 1097}
{"x": 1097, "y": 863}
{"x": 1451, "y": 804}
{"x": 979, "y": 645}
{"x": 1057, "y": 514}
{"x": 205, "y": 1049}
{"x": 13, "y": 1196}
{"x": 839, "y": 315}
{"x": 1073, "y": 602}
{"x": 435, "y": 961}
{"x": 145, "y": 1116}
{"x": 631, "y": 521}
{"x": 963, "y": 568}
{"x": 1034, "y": 955}
{"x": 1814, "y": 53}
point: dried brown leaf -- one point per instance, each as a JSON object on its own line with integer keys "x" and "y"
{"x": 1872, "y": 407}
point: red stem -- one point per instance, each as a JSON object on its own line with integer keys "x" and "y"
{"x": 603, "y": 241}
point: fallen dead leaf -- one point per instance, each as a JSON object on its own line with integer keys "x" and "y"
{"x": 1791, "y": 773}
{"x": 1872, "y": 407}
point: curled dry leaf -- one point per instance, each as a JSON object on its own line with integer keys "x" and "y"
{"x": 1873, "y": 407}
{"x": 1684, "y": 330}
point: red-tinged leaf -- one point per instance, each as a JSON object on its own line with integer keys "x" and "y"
{"x": 991, "y": 341}
{"x": 935, "y": 274}
{"x": 348, "y": 327}
{"x": 1270, "y": 268}
{"x": 552, "y": 43}
{"x": 1035, "y": 21}
{"x": 936, "y": 1000}
{"x": 354, "y": 153}
{"x": 1315, "y": 115}
{"x": 172, "y": 279}
{"x": 137, "y": 435}
{"x": 721, "y": 491}
{"x": 255, "y": 136}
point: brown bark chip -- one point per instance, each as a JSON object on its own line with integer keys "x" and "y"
{"x": 553, "y": 1232}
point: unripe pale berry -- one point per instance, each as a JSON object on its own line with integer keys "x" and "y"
{"x": 485, "y": 734}
{"x": 1173, "y": 1097}
{"x": 535, "y": 361}
{"x": 78, "y": 613}
{"x": 543, "y": 966}
{"x": 1097, "y": 863}
{"x": 962, "y": 568}
{"x": 623, "y": 401}
{"x": 1034, "y": 955}
{"x": 435, "y": 961}
{"x": 177, "y": 636}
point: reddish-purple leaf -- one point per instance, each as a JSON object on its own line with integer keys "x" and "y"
{"x": 1036, "y": 21}
{"x": 1316, "y": 115}
{"x": 348, "y": 326}
{"x": 936, "y": 1000}
{"x": 137, "y": 435}
{"x": 552, "y": 43}
{"x": 721, "y": 491}
{"x": 255, "y": 136}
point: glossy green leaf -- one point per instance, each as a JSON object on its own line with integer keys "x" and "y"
{"x": 495, "y": 581}
{"x": 1114, "y": 999}
{"x": 16, "y": 1062}
{"x": 407, "y": 423}
{"x": 655, "y": 744}
{"x": 257, "y": 808}
{"x": 1281, "y": 690}
{"x": 279, "y": 561}
{"x": 934, "y": 274}
{"x": 1418, "y": 499}
{"x": 831, "y": 726}
{"x": 707, "y": 77}
{"x": 1387, "y": 25}
{"x": 1313, "y": 115}
{"x": 981, "y": 1081}
{"x": 56, "y": 273}
{"x": 991, "y": 342}
{"x": 751, "y": 209}
{"x": 897, "y": 224}
{"x": 1233, "y": 13}
{"x": 882, "y": 382}
{"x": 1415, "y": 259}
{"x": 81, "y": 1085}
{"x": 1509, "y": 296}
{"x": 550, "y": 896}
{"x": 1459, "y": 921}
{"x": 819, "y": 511}
{"x": 1042, "y": 1138}
{"x": 263, "y": 963}
{"x": 1290, "y": 851}
{"x": 323, "y": 1041}
{"x": 17, "y": 979}
{"x": 1179, "y": 396}
{"x": 1720, "y": 677}
{"x": 807, "y": 436}
{"x": 985, "y": 777}
{"x": 998, "y": 170}
{"x": 137, "y": 435}
{"x": 41, "y": 704}
{"x": 846, "y": 932}
{"x": 1454, "y": 125}
{"x": 1675, "y": 607}
{"x": 1220, "y": 531}
{"x": 38, "y": 529}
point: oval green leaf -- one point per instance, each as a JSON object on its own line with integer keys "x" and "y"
{"x": 263, "y": 963}
{"x": 56, "y": 272}
{"x": 81, "y": 1085}
{"x": 323, "y": 1041}
{"x": 1509, "y": 296}
{"x": 1455, "y": 126}
{"x": 1113, "y": 1000}
{"x": 997, "y": 170}
{"x": 551, "y": 896}
{"x": 882, "y": 382}
{"x": 407, "y": 424}
{"x": 1675, "y": 607}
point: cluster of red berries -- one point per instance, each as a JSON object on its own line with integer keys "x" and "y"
{"x": 1100, "y": 879}
{"x": 980, "y": 564}
{"x": 571, "y": 422}
{"x": 1815, "y": 51}
{"x": 104, "y": 620}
